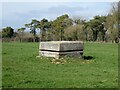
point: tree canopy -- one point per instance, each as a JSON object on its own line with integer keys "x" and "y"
{"x": 100, "y": 28}
{"x": 8, "y": 32}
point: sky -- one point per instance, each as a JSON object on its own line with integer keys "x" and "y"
{"x": 16, "y": 14}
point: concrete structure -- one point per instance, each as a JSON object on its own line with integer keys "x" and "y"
{"x": 58, "y": 49}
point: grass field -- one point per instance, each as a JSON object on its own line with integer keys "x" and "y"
{"x": 21, "y": 68}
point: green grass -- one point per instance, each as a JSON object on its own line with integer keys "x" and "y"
{"x": 22, "y": 69}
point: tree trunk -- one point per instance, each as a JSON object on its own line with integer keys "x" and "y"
{"x": 34, "y": 39}
{"x": 22, "y": 37}
{"x": 95, "y": 33}
{"x": 61, "y": 35}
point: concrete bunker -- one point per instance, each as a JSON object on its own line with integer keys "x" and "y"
{"x": 58, "y": 49}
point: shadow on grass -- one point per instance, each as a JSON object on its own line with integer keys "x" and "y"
{"x": 88, "y": 57}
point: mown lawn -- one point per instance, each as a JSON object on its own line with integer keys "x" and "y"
{"x": 21, "y": 68}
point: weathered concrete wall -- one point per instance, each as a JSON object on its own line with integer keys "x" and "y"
{"x": 58, "y": 49}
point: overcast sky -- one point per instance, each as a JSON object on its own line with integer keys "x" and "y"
{"x": 16, "y": 14}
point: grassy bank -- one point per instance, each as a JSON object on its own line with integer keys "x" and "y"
{"x": 21, "y": 68}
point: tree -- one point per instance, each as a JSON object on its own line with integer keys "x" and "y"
{"x": 112, "y": 22}
{"x": 97, "y": 25}
{"x": 73, "y": 33}
{"x": 7, "y": 32}
{"x": 21, "y": 31}
{"x": 44, "y": 25}
{"x": 119, "y": 20}
{"x": 0, "y": 34}
{"x": 86, "y": 29}
{"x": 33, "y": 26}
{"x": 60, "y": 24}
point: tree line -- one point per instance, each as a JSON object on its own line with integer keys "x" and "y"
{"x": 100, "y": 28}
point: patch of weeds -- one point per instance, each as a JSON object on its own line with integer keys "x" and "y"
{"x": 58, "y": 61}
